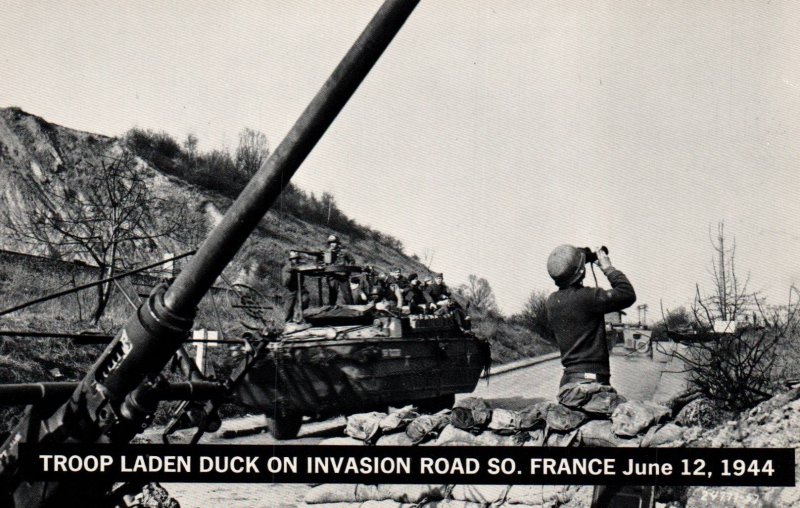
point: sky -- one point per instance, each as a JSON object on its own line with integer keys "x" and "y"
{"x": 488, "y": 133}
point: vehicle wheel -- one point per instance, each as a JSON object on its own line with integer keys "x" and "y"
{"x": 436, "y": 404}
{"x": 643, "y": 346}
{"x": 284, "y": 425}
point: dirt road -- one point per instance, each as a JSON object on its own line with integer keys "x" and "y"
{"x": 636, "y": 377}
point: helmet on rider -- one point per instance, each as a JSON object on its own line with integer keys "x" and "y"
{"x": 566, "y": 265}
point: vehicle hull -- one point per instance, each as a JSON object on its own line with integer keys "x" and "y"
{"x": 318, "y": 377}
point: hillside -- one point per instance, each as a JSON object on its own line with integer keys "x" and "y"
{"x": 34, "y": 152}
{"x": 37, "y": 156}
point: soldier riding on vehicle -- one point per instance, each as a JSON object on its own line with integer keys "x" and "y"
{"x": 335, "y": 254}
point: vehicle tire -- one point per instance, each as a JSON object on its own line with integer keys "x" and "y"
{"x": 643, "y": 345}
{"x": 436, "y": 404}
{"x": 284, "y": 424}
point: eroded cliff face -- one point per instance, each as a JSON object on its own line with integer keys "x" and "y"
{"x": 35, "y": 154}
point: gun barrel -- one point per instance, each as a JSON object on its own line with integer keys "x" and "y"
{"x": 17, "y": 394}
{"x": 239, "y": 221}
{"x": 30, "y": 393}
{"x": 109, "y": 400}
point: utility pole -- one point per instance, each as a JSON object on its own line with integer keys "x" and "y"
{"x": 642, "y": 313}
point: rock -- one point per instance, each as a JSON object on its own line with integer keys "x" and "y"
{"x": 154, "y": 495}
{"x": 702, "y": 412}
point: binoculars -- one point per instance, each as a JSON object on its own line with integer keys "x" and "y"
{"x": 591, "y": 256}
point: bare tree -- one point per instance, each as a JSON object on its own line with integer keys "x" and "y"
{"x": 479, "y": 296}
{"x": 427, "y": 257}
{"x": 740, "y": 369}
{"x": 190, "y": 145}
{"x": 729, "y": 298}
{"x": 102, "y": 212}
{"x": 252, "y": 151}
{"x": 741, "y": 366}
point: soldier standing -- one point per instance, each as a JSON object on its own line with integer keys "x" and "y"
{"x": 338, "y": 283}
{"x": 290, "y": 282}
{"x": 337, "y": 254}
{"x": 576, "y": 313}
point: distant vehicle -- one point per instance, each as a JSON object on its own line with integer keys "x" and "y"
{"x": 343, "y": 359}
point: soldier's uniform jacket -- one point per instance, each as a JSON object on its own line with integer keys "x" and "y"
{"x": 577, "y": 317}
{"x": 339, "y": 255}
{"x": 399, "y": 281}
{"x": 395, "y": 285}
{"x": 438, "y": 291}
{"x": 416, "y": 296}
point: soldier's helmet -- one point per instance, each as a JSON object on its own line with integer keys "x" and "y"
{"x": 333, "y": 239}
{"x": 566, "y": 265}
{"x": 428, "y": 279}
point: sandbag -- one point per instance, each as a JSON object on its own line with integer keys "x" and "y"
{"x": 576, "y": 395}
{"x": 397, "y": 419}
{"x": 340, "y": 493}
{"x": 344, "y": 504}
{"x": 409, "y": 493}
{"x": 364, "y": 426}
{"x": 504, "y": 421}
{"x": 603, "y": 403}
{"x": 632, "y": 417}
{"x": 489, "y": 438}
{"x": 668, "y": 435}
{"x": 342, "y": 441}
{"x": 535, "y": 495}
{"x": 599, "y": 433}
{"x": 479, "y": 493}
{"x": 561, "y": 418}
{"x": 471, "y": 413}
{"x": 427, "y": 426}
{"x": 360, "y": 493}
{"x": 396, "y": 439}
{"x": 534, "y": 415}
{"x": 535, "y": 438}
{"x": 562, "y": 440}
{"x": 452, "y": 436}
{"x": 386, "y": 503}
{"x": 452, "y": 503}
